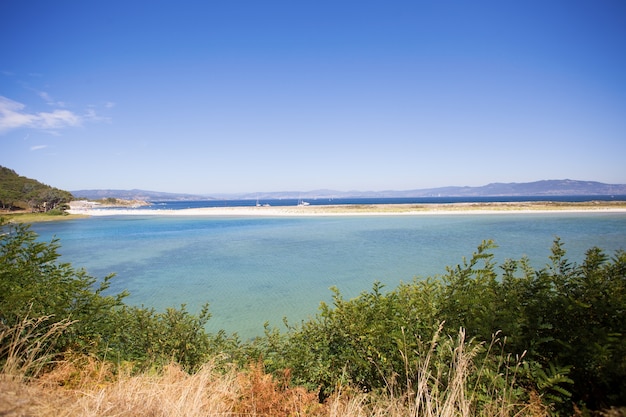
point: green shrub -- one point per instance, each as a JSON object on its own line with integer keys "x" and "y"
{"x": 34, "y": 284}
{"x": 567, "y": 321}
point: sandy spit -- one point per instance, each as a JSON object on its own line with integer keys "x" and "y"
{"x": 370, "y": 210}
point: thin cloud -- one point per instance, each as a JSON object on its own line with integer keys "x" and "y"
{"x": 91, "y": 115}
{"x": 57, "y": 119}
{"x": 38, "y": 147}
{"x": 48, "y": 98}
{"x": 45, "y": 96}
{"x": 14, "y": 116}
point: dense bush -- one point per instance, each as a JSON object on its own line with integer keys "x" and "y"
{"x": 33, "y": 283}
{"x": 558, "y": 331}
{"x": 563, "y": 326}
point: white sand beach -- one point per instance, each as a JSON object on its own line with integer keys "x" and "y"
{"x": 85, "y": 208}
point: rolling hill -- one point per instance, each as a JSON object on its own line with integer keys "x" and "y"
{"x": 538, "y": 188}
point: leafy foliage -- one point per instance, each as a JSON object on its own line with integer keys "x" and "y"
{"x": 33, "y": 283}
{"x": 149, "y": 338}
{"x": 18, "y": 191}
{"x": 566, "y": 321}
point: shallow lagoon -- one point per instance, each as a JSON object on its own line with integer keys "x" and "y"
{"x": 252, "y": 270}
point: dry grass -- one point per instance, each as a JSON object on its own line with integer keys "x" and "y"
{"x": 171, "y": 392}
{"x": 25, "y": 347}
{"x": 209, "y": 392}
{"x": 83, "y": 386}
{"x": 24, "y": 351}
{"x": 261, "y": 394}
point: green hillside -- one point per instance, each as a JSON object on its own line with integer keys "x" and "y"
{"x": 21, "y": 193}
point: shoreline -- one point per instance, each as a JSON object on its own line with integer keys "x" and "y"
{"x": 542, "y": 207}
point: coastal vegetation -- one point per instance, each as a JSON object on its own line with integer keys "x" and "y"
{"x": 21, "y": 193}
{"x": 26, "y": 200}
{"x": 479, "y": 339}
{"x": 118, "y": 202}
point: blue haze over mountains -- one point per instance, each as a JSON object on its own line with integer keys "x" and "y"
{"x": 538, "y": 188}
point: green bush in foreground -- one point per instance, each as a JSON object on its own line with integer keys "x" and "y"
{"x": 563, "y": 326}
{"x": 34, "y": 284}
{"x": 557, "y": 331}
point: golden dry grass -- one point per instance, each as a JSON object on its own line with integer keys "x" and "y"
{"x": 83, "y": 386}
{"x": 173, "y": 392}
{"x": 210, "y": 393}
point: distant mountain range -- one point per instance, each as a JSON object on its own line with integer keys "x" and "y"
{"x": 141, "y": 195}
{"x": 537, "y": 188}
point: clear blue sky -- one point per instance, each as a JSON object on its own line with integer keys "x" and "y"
{"x": 244, "y": 96}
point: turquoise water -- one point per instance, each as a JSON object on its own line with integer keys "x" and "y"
{"x": 253, "y": 270}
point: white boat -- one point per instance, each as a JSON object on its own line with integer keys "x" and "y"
{"x": 261, "y": 205}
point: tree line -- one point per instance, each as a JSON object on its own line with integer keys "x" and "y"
{"x": 18, "y": 192}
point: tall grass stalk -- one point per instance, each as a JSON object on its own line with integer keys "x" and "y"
{"x": 431, "y": 394}
{"x": 25, "y": 348}
{"x": 444, "y": 381}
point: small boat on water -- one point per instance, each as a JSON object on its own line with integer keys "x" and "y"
{"x": 261, "y": 205}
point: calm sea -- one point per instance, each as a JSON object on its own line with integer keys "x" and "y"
{"x": 252, "y": 270}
